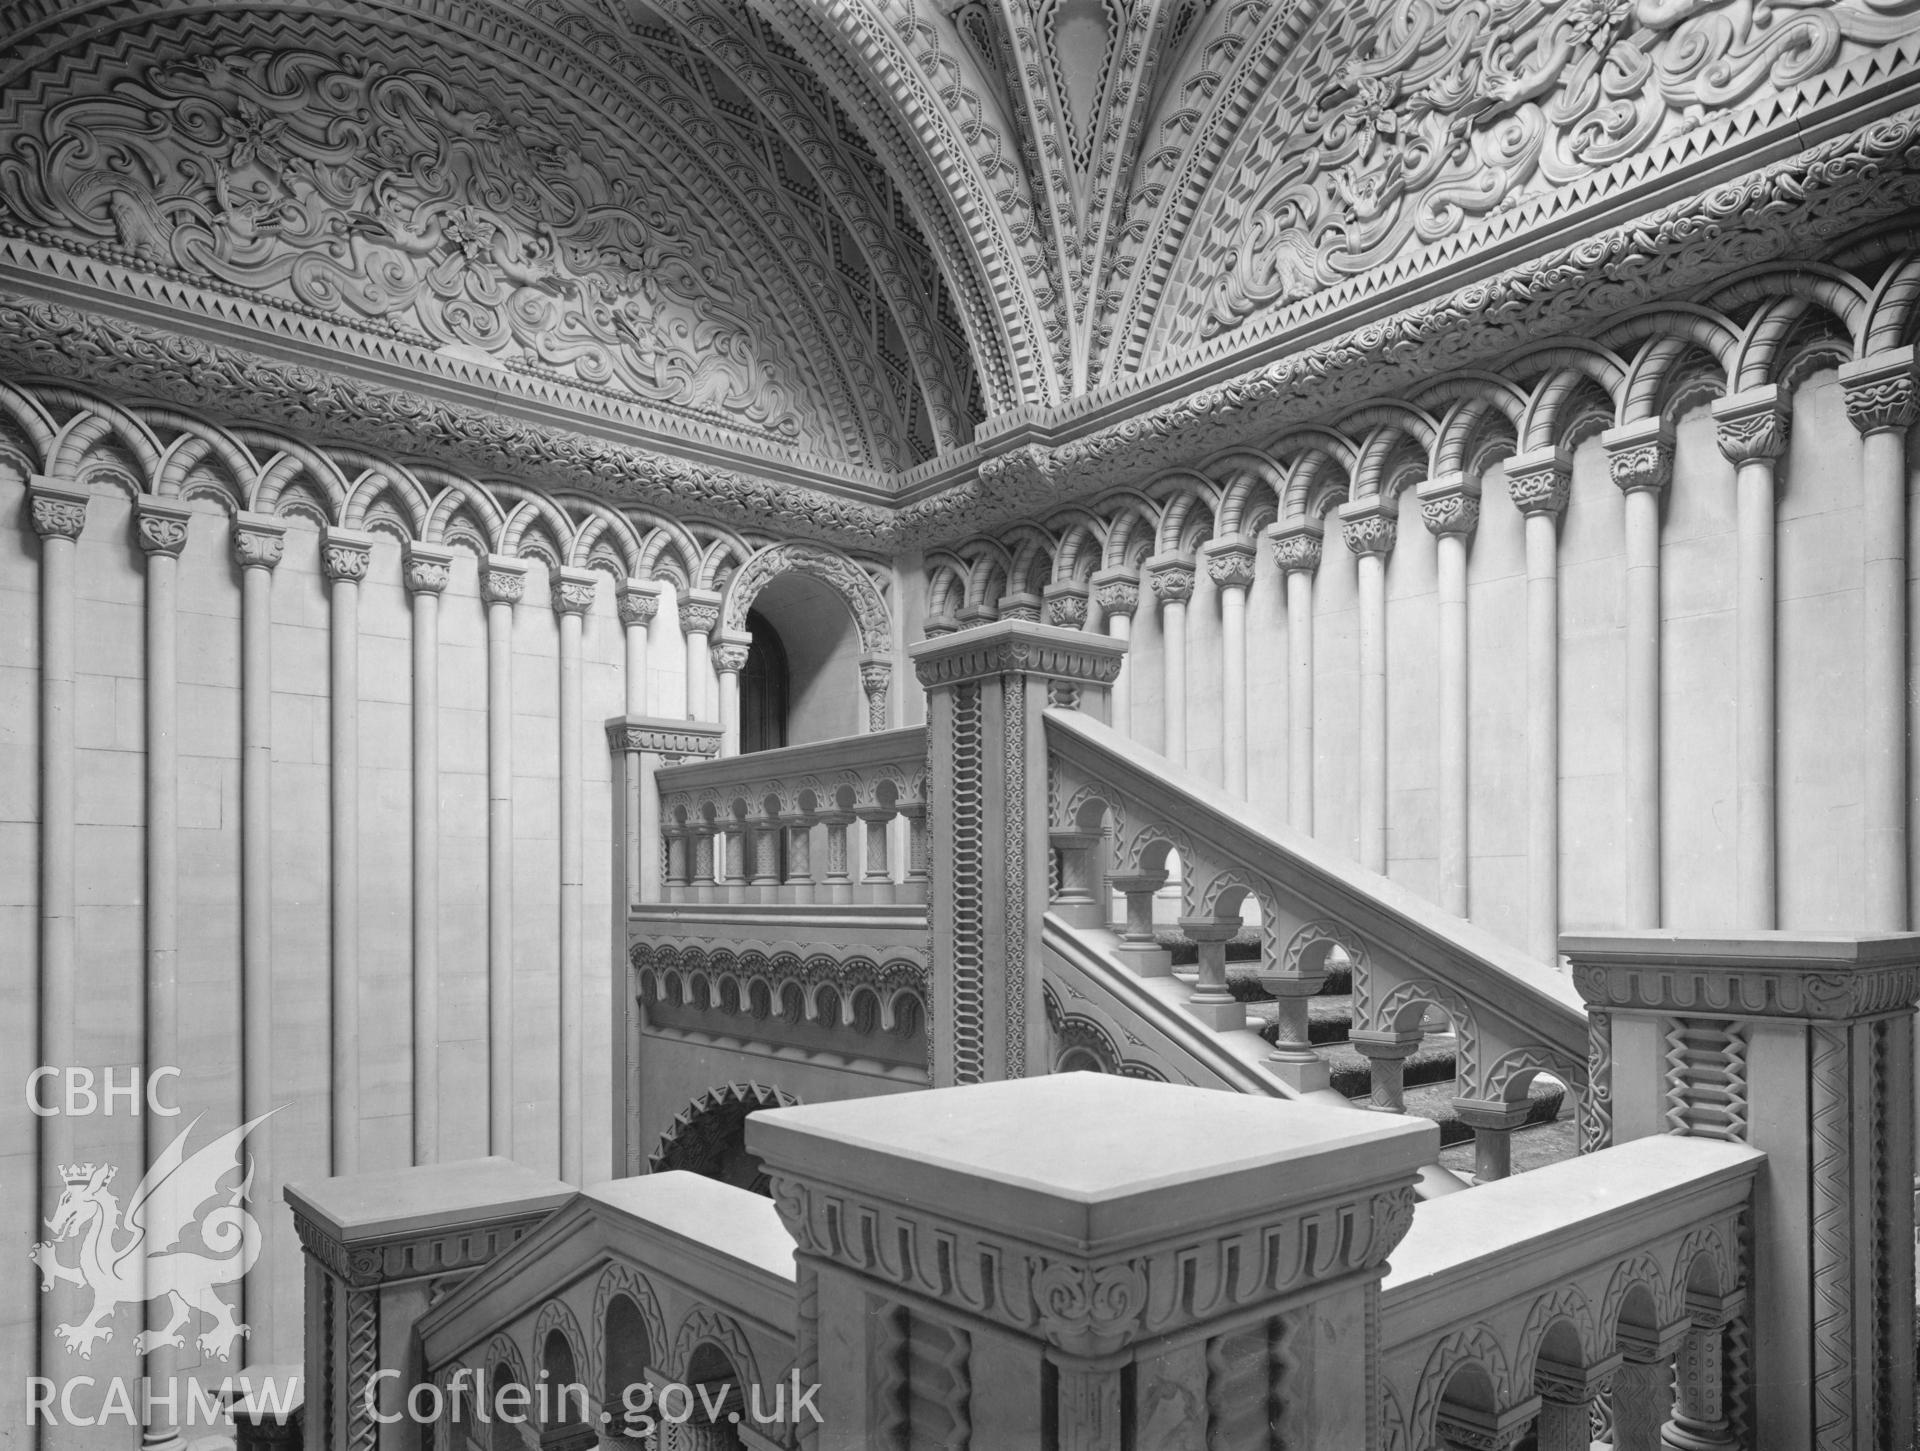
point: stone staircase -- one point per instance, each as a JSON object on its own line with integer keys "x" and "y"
{"x": 1549, "y": 1135}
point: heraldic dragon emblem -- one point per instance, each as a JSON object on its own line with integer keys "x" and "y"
{"x": 137, "y": 1258}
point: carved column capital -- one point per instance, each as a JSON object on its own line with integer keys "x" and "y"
{"x": 1881, "y": 391}
{"x": 59, "y": 511}
{"x": 1639, "y": 455}
{"x": 1449, "y": 503}
{"x": 1066, "y": 605}
{"x": 1751, "y": 425}
{"x": 504, "y": 580}
{"x": 638, "y": 601}
{"x": 1296, "y": 546}
{"x": 1022, "y": 606}
{"x": 1370, "y": 525}
{"x": 573, "y": 591}
{"x": 426, "y": 568}
{"x": 876, "y": 680}
{"x": 259, "y": 540}
{"x": 699, "y": 612}
{"x": 1538, "y": 481}
{"x": 345, "y": 554}
{"x": 1171, "y": 578}
{"x": 1117, "y": 590}
{"x": 729, "y": 652}
{"x": 160, "y": 526}
{"x": 1230, "y": 561}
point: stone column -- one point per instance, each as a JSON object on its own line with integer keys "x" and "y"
{"x": 1139, "y": 944}
{"x": 987, "y": 691}
{"x": 1493, "y": 1124}
{"x": 1567, "y": 1394}
{"x": 1643, "y": 1385}
{"x": 699, "y": 615}
{"x": 160, "y": 527}
{"x": 1118, "y": 593}
{"x": 1881, "y": 402}
{"x": 876, "y": 683}
{"x": 259, "y": 543}
{"x": 380, "y": 1248}
{"x": 1172, "y": 580}
{"x": 1296, "y": 549}
{"x": 1752, "y": 428}
{"x": 503, "y": 582}
{"x": 1230, "y": 564}
{"x": 344, "y": 557}
{"x": 837, "y": 880}
{"x": 1803, "y": 1048}
{"x": 1640, "y": 457}
{"x": 1100, "y": 1308}
{"x": 1370, "y": 526}
{"x": 1700, "y": 1405}
{"x": 1538, "y": 483}
{"x": 638, "y": 601}
{"x": 729, "y": 654}
{"x": 426, "y": 571}
{"x": 876, "y": 877}
{"x": 572, "y": 599}
{"x": 1211, "y": 1001}
{"x": 1450, "y": 508}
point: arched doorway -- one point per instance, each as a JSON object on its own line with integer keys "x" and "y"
{"x": 765, "y": 688}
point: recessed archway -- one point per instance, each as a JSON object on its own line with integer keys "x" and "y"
{"x": 806, "y": 643}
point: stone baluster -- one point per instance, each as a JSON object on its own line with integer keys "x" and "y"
{"x": 730, "y": 853}
{"x": 1538, "y": 482}
{"x": 800, "y": 879}
{"x": 1139, "y": 943}
{"x": 1450, "y": 508}
{"x": 1567, "y": 1396}
{"x": 426, "y": 569}
{"x": 1883, "y": 402}
{"x": 876, "y": 877}
{"x": 1172, "y": 581}
{"x": 1802, "y": 1047}
{"x": 344, "y": 556}
{"x": 836, "y": 884}
{"x": 1386, "y": 1054}
{"x": 766, "y": 856}
{"x": 503, "y": 582}
{"x": 876, "y": 683}
{"x": 1752, "y": 431}
{"x": 1640, "y": 458}
{"x": 706, "y": 843}
{"x": 1294, "y": 1060}
{"x": 914, "y": 887}
{"x": 259, "y": 544}
{"x": 573, "y": 591}
{"x": 1080, "y": 895}
{"x": 1211, "y": 1001}
{"x": 1700, "y": 1420}
{"x": 1230, "y": 561}
{"x": 1370, "y": 527}
{"x": 1118, "y": 593}
{"x": 1643, "y": 1385}
{"x": 1296, "y": 549}
{"x": 729, "y": 655}
{"x": 679, "y": 839}
{"x": 1083, "y": 1315}
{"x": 699, "y": 614}
{"x": 1493, "y": 1122}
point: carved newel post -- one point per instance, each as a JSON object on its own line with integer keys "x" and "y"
{"x": 987, "y": 691}
{"x": 1187, "y": 1268}
{"x": 1802, "y": 1047}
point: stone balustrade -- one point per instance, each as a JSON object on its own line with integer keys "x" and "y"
{"x": 804, "y": 825}
{"x": 1122, "y": 820}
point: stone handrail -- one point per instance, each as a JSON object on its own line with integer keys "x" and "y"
{"x": 1119, "y": 810}
{"x": 775, "y": 826}
{"x": 1538, "y": 1295}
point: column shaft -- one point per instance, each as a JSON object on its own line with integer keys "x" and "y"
{"x": 1120, "y": 627}
{"x": 1452, "y": 569}
{"x": 503, "y": 585}
{"x": 1173, "y": 660}
{"x": 426, "y": 575}
{"x": 1643, "y": 708}
{"x": 1300, "y": 758}
{"x": 1543, "y": 736}
{"x": 345, "y": 557}
{"x": 1230, "y": 561}
{"x": 573, "y": 597}
{"x": 1373, "y": 712}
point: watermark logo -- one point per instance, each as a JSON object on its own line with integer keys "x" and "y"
{"x": 137, "y": 1255}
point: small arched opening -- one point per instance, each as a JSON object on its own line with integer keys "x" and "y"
{"x": 628, "y": 1354}
{"x": 802, "y": 678}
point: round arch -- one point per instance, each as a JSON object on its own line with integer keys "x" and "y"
{"x": 709, "y": 1135}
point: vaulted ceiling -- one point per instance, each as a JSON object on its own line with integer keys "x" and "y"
{"x": 848, "y": 231}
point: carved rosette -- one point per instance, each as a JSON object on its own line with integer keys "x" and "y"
{"x": 1117, "y": 591}
{"x": 1370, "y": 526}
{"x": 1172, "y": 580}
{"x": 258, "y": 543}
{"x": 1067, "y": 606}
{"x": 1881, "y": 393}
{"x": 1296, "y": 547}
{"x": 344, "y": 558}
{"x": 427, "y": 569}
{"x": 1449, "y": 504}
{"x": 58, "y": 512}
{"x": 1230, "y": 562}
{"x": 160, "y": 527}
{"x": 699, "y": 616}
{"x": 876, "y": 679}
{"x": 573, "y": 592}
{"x": 1639, "y": 456}
{"x": 1538, "y": 483}
{"x": 638, "y": 602}
{"x": 1751, "y": 426}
